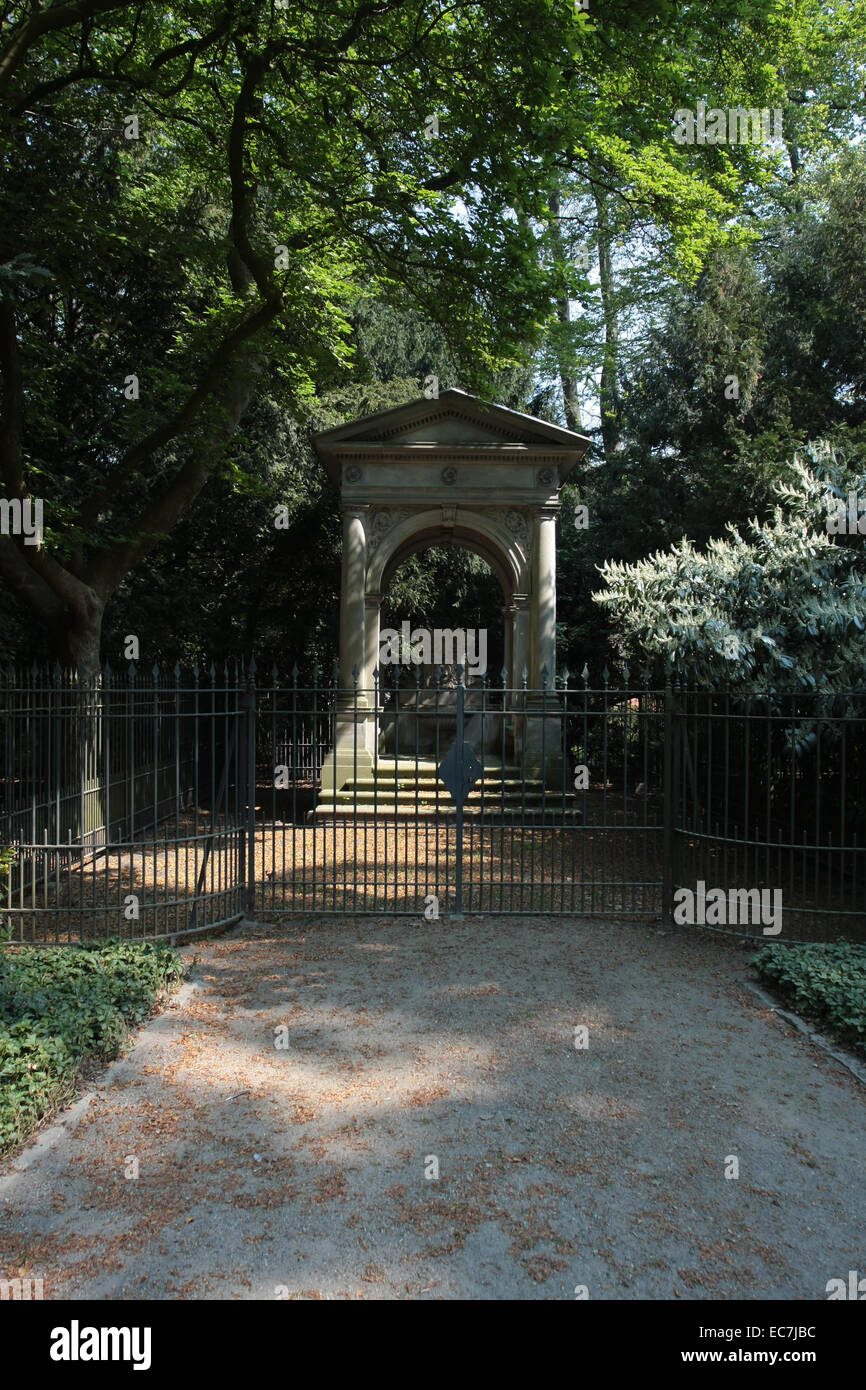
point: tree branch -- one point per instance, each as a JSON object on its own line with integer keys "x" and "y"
{"x": 248, "y": 326}
{"x": 24, "y": 581}
{"x": 48, "y": 21}
{"x": 223, "y": 371}
{"x": 158, "y": 518}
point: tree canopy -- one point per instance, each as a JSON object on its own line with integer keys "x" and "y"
{"x": 226, "y": 225}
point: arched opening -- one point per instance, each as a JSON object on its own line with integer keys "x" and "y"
{"x": 447, "y": 586}
{"x": 442, "y": 605}
{"x": 505, "y": 559}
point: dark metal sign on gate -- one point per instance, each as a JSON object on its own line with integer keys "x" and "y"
{"x": 458, "y": 771}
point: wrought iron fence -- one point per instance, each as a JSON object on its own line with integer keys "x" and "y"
{"x": 149, "y": 805}
{"x": 122, "y": 798}
{"x": 770, "y": 793}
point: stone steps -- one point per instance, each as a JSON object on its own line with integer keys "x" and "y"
{"x": 407, "y": 790}
{"x": 528, "y": 815}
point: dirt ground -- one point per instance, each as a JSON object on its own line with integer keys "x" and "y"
{"x": 287, "y": 1116}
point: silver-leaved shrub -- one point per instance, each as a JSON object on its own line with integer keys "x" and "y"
{"x": 780, "y": 608}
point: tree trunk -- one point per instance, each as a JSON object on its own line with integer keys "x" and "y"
{"x": 77, "y": 640}
{"x": 567, "y": 375}
{"x": 72, "y": 605}
{"x": 609, "y": 390}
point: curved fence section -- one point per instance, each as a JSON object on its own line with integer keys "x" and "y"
{"x": 769, "y": 800}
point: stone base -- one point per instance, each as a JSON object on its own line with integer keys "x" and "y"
{"x": 538, "y": 736}
{"x": 350, "y": 758}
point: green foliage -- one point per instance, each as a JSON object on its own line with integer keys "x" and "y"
{"x": 781, "y": 608}
{"x": 304, "y": 128}
{"x": 280, "y": 174}
{"x": 231, "y": 580}
{"x": 7, "y": 855}
{"x": 698, "y": 449}
{"x": 279, "y": 183}
{"x": 447, "y": 587}
{"x": 37, "y": 1073}
{"x": 59, "y": 1008}
{"x": 825, "y": 982}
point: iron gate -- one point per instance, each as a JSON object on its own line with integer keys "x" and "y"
{"x": 144, "y": 807}
{"x": 449, "y": 797}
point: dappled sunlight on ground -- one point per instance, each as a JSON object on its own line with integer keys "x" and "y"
{"x": 289, "y": 1111}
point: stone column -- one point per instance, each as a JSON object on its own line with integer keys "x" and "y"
{"x": 544, "y": 596}
{"x": 520, "y": 661}
{"x": 352, "y": 586}
{"x": 521, "y": 655}
{"x": 372, "y": 610}
{"x": 509, "y": 614}
{"x": 372, "y": 614}
{"x": 350, "y": 756}
{"x": 543, "y": 735}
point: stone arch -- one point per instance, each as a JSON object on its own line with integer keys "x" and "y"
{"x": 469, "y": 528}
{"x": 448, "y": 469}
{"x": 472, "y": 530}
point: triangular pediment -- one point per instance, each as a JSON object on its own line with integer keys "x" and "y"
{"x": 452, "y": 419}
{"x": 436, "y": 428}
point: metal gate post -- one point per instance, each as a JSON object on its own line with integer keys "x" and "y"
{"x": 668, "y": 830}
{"x": 250, "y": 702}
{"x": 458, "y": 862}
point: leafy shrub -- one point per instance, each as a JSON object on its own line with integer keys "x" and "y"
{"x": 37, "y": 1073}
{"x": 7, "y": 855}
{"x": 827, "y": 983}
{"x": 59, "y": 1007}
{"x": 781, "y": 607}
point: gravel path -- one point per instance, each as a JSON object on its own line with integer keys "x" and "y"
{"x": 307, "y": 1170}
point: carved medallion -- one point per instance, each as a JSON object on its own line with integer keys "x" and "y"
{"x": 382, "y": 520}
